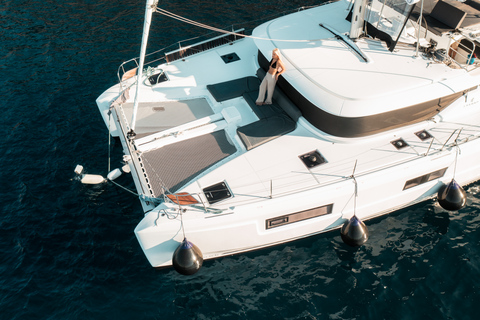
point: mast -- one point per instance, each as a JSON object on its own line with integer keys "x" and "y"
{"x": 358, "y": 18}
{"x": 150, "y": 7}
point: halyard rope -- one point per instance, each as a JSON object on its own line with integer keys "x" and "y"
{"x": 201, "y": 25}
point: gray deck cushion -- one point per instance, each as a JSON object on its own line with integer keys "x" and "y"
{"x": 264, "y": 130}
{"x": 264, "y": 111}
{"x": 274, "y": 122}
{"x": 282, "y": 100}
{"x": 234, "y": 88}
{"x": 448, "y": 14}
{"x": 475, "y": 4}
{"x": 472, "y": 8}
{"x": 444, "y": 20}
{"x": 286, "y": 104}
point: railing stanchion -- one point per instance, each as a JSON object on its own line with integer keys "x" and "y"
{"x": 448, "y": 139}
{"x": 428, "y": 150}
{"x": 271, "y": 189}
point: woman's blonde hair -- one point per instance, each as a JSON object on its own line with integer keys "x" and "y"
{"x": 277, "y": 51}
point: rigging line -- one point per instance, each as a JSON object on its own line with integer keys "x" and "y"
{"x": 356, "y": 189}
{"x": 109, "y": 138}
{"x": 355, "y": 197}
{"x": 456, "y": 156}
{"x": 180, "y": 18}
{"x": 181, "y": 222}
{"x": 201, "y": 25}
{"x": 126, "y": 189}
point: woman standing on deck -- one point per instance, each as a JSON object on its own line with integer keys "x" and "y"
{"x": 275, "y": 69}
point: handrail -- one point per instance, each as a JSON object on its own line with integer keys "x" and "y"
{"x": 468, "y": 57}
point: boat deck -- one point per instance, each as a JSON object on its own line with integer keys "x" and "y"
{"x": 213, "y": 151}
{"x": 189, "y": 139}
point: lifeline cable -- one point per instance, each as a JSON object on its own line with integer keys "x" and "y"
{"x": 456, "y": 152}
{"x": 456, "y": 156}
{"x": 126, "y": 189}
{"x": 201, "y": 25}
{"x": 109, "y": 139}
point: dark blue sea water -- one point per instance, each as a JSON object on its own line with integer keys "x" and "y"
{"x": 67, "y": 251}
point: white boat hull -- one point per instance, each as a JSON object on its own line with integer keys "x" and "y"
{"x": 191, "y": 134}
{"x": 244, "y": 228}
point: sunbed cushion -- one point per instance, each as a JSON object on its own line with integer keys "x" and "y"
{"x": 275, "y": 120}
{"x": 234, "y": 88}
{"x": 264, "y": 130}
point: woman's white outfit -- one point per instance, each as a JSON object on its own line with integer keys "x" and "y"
{"x": 268, "y": 84}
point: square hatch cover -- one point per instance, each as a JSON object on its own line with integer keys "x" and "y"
{"x": 217, "y": 192}
{"x": 312, "y": 159}
{"x": 230, "y": 57}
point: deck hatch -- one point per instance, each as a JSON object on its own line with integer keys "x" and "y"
{"x": 157, "y": 78}
{"x": 217, "y": 192}
{"x": 231, "y": 57}
{"x": 312, "y": 159}
{"x": 423, "y": 135}
{"x": 425, "y": 178}
{"x": 298, "y": 216}
{"x": 399, "y": 143}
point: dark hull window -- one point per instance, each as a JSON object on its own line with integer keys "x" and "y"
{"x": 298, "y": 216}
{"x": 425, "y": 178}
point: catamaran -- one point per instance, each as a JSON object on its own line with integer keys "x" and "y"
{"x": 378, "y": 109}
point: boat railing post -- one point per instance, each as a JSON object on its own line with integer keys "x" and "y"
{"x": 428, "y": 150}
{"x": 164, "y": 191}
{"x": 448, "y": 139}
{"x": 271, "y": 188}
{"x": 203, "y": 203}
{"x": 458, "y": 135}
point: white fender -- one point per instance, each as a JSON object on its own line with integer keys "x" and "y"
{"x": 114, "y": 174}
{"x": 92, "y": 179}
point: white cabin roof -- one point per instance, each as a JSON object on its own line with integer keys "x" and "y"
{"x": 332, "y": 77}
